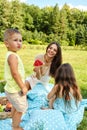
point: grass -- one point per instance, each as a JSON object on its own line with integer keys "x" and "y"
{"x": 76, "y": 57}
{"x": 83, "y": 125}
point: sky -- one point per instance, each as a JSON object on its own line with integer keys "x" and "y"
{"x": 79, "y": 4}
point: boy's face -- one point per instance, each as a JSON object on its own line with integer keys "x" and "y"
{"x": 14, "y": 42}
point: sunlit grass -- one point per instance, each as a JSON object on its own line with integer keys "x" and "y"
{"x": 77, "y": 58}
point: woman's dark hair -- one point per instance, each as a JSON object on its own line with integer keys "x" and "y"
{"x": 57, "y": 60}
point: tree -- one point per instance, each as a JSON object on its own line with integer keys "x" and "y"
{"x": 54, "y": 20}
{"x": 16, "y": 20}
{"x": 63, "y": 23}
{"x": 45, "y": 20}
{"x": 4, "y": 16}
{"x": 27, "y": 18}
{"x": 85, "y": 26}
{"x": 80, "y": 38}
{"x": 35, "y": 12}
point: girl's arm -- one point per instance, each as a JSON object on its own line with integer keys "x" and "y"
{"x": 53, "y": 92}
{"x": 13, "y": 63}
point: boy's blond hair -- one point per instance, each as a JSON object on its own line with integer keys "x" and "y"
{"x": 9, "y": 32}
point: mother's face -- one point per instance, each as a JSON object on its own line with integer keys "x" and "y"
{"x": 52, "y": 50}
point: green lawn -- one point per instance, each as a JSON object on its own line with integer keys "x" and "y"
{"x": 76, "y": 57}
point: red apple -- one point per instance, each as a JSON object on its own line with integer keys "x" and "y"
{"x": 9, "y": 105}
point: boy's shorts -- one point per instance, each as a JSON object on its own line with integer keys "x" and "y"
{"x": 18, "y": 101}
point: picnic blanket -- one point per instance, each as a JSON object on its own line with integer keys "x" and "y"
{"x": 37, "y": 119}
{"x": 57, "y": 119}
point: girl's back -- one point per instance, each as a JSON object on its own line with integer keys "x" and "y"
{"x": 69, "y": 106}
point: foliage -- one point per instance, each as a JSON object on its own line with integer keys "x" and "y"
{"x": 2, "y": 84}
{"x": 83, "y": 125}
{"x": 44, "y": 24}
{"x": 64, "y": 43}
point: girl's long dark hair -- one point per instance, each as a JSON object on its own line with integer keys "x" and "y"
{"x": 57, "y": 60}
{"x": 65, "y": 77}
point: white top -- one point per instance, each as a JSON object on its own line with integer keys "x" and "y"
{"x": 44, "y": 79}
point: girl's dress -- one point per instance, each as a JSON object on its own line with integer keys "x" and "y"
{"x": 62, "y": 117}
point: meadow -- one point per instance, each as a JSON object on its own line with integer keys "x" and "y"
{"x": 73, "y": 55}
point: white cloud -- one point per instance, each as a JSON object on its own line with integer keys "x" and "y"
{"x": 80, "y": 7}
{"x": 23, "y": 0}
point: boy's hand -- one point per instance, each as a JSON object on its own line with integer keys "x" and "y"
{"x": 24, "y": 90}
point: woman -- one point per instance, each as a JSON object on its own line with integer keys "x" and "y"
{"x": 38, "y": 82}
{"x": 52, "y": 59}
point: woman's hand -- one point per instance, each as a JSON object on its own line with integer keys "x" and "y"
{"x": 37, "y": 70}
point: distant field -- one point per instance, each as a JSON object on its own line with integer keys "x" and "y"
{"x": 76, "y": 57}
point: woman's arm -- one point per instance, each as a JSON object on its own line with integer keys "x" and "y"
{"x": 37, "y": 71}
{"x": 38, "y": 63}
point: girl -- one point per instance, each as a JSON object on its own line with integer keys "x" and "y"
{"x": 65, "y": 99}
{"x": 66, "y": 92}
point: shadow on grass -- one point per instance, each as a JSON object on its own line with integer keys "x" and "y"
{"x": 2, "y": 84}
{"x": 84, "y": 93}
{"x": 83, "y": 125}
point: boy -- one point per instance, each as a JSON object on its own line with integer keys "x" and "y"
{"x": 15, "y": 87}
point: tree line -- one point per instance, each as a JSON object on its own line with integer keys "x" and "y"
{"x": 43, "y": 25}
